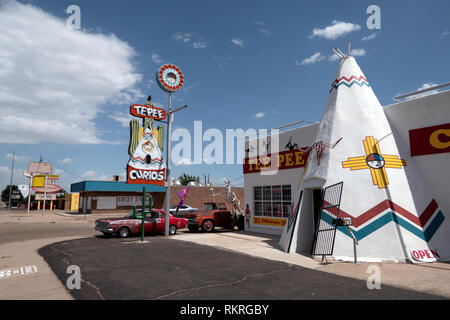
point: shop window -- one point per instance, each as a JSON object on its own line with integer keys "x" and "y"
{"x": 272, "y": 201}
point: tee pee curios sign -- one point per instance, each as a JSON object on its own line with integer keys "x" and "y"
{"x": 146, "y": 164}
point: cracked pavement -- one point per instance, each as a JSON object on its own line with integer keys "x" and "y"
{"x": 165, "y": 269}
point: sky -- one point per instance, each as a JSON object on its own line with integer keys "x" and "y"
{"x": 65, "y": 94}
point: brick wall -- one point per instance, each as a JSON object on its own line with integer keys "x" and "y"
{"x": 198, "y": 195}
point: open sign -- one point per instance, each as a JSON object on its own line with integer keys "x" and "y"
{"x": 426, "y": 255}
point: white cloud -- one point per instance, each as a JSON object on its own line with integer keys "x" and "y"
{"x": 183, "y": 37}
{"x": 5, "y": 177}
{"x": 238, "y": 42}
{"x": 358, "y": 52}
{"x": 59, "y": 171}
{"x": 445, "y": 33}
{"x": 260, "y": 115}
{"x": 126, "y": 96}
{"x": 354, "y": 52}
{"x": 17, "y": 158}
{"x": 264, "y": 32}
{"x": 188, "y": 38}
{"x": 156, "y": 59}
{"x": 121, "y": 117}
{"x": 316, "y": 57}
{"x": 53, "y": 80}
{"x": 371, "y": 36}
{"x": 335, "y": 30}
{"x": 424, "y": 86}
{"x": 184, "y": 162}
{"x": 222, "y": 63}
{"x": 66, "y": 161}
{"x": 199, "y": 44}
{"x": 333, "y": 57}
{"x": 92, "y": 175}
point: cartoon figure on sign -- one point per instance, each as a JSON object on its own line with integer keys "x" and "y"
{"x": 146, "y": 165}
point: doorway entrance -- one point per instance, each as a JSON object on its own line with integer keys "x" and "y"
{"x": 328, "y": 205}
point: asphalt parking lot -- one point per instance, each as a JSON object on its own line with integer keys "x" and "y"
{"x": 164, "y": 269}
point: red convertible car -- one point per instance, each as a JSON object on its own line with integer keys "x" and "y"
{"x": 128, "y": 225}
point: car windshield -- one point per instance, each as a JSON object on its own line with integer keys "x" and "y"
{"x": 174, "y": 207}
{"x": 209, "y": 206}
{"x": 130, "y": 214}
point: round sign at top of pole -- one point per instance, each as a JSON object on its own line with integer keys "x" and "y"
{"x": 170, "y": 78}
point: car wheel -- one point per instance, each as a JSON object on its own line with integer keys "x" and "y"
{"x": 124, "y": 232}
{"x": 208, "y": 226}
{"x": 172, "y": 230}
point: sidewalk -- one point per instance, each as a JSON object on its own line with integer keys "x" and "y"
{"x": 431, "y": 278}
{"x": 40, "y": 285}
{"x": 21, "y": 216}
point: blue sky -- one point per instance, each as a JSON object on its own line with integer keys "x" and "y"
{"x": 248, "y": 64}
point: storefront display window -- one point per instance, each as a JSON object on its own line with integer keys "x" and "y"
{"x": 272, "y": 201}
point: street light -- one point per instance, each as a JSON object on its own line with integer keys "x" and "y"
{"x": 169, "y": 124}
{"x": 12, "y": 173}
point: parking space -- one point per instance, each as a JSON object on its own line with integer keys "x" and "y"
{"x": 164, "y": 268}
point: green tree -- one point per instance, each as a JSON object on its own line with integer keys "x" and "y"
{"x": 5, "y": 193}
{"x": 61, "y": 193}
{"x": 186, "y": 178}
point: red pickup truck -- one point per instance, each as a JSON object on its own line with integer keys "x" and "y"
{"x": 213, "y": 215}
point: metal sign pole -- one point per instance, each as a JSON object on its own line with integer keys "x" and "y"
{"x": 45, "y": 194}
{"x": 167, "y": 213}
{"x": 29, "y": 195}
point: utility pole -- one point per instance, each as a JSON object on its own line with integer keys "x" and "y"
{"x": 12, "y": 173}
{"x": 10, "y": 183}
{"x": 170, "y": 79}
{"x": 169, "y": 125}
{"x": 167, "y": 213}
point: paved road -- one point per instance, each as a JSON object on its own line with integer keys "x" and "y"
{"x": 167, "y": 269}
{"x": 12, "y": 232}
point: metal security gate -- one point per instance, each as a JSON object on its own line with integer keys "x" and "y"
{"x": 326, "y": 229}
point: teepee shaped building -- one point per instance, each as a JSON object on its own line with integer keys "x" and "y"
{"x": 374, "y": 183}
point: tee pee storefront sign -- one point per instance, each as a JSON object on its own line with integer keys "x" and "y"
{"x": 146, "y": 165}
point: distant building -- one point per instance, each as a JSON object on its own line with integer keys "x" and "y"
{"x": 118, "y": 196}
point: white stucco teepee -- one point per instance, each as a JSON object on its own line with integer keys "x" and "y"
{"x": 392, "y": 210}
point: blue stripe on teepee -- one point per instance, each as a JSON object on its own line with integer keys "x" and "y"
{"x": 434, "y": 226}
{"x": 385, "y": 219}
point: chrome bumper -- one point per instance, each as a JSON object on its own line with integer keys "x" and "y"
{"x": 106, "y": 230}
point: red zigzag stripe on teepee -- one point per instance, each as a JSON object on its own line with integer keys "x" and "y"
{"x": 349, "y": 79}
{"x": 142, "y": 159}
{"x": 388, "y": 204}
